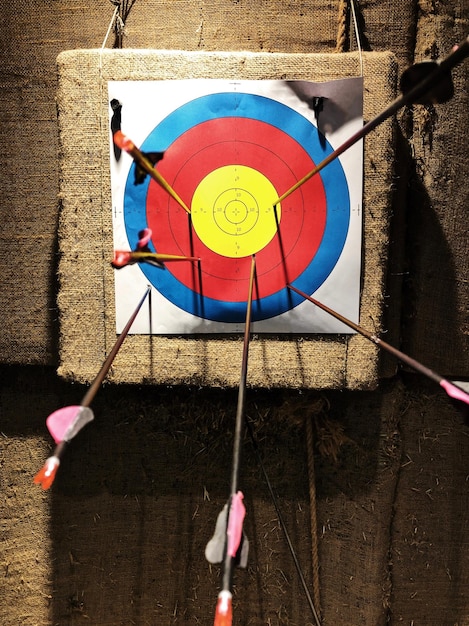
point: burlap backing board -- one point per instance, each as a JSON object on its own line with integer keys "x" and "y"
{"x": 86, "y": 293}
{"x": 435, "y": 307}
{"x": 35, "y": 32}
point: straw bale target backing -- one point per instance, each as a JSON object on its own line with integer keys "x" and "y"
{"x": 86, "y": 295}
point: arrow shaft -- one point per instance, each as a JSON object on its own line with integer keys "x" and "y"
{"x": 228, "y": 563}
{"x": 161, "y": 256}
{"x": 95, "y": 385}
{"x": 126, "y": 144}
{"x": 283, "y": 525}
{"x": 60, "y": 448}
{"x": 242, "y": 386}
{"x": 455, "y": 57}
{"x": 449, "y": 387}
{"x": 157, "y": 177}
{"x": 46, "y": 475}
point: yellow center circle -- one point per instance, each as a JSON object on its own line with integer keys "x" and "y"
{"x": 233, "y": 212}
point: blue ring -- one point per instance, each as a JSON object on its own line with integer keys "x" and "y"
{"x": 260, "y": 108}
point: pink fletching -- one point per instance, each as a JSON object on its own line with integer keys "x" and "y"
{"x": 65, "y": 423}
{"x": 455, "y": 392}
{"x": 235, "y": 523}
{"x": 144, "y": 238}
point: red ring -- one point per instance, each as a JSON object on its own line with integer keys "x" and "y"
{"x": 265, "y": 148}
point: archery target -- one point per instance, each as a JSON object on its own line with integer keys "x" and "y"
{"x": 230, "y": 156}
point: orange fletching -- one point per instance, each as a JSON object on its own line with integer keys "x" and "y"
{"x": 223, "y": 612}
{"x": 123, "y": 142}
{"x": 46, "y": 475}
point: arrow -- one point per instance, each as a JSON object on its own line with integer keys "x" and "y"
{"x": 126, "y": 257}
{"x": 143, "y": 254}
{"x": 145, "y": 163}
{"x": 451, "y": 389}
{"x": 65, "y": 423}
{"x": 419, "y": 86}
{"x": 232, "y": 521}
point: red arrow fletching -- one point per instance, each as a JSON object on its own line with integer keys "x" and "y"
{"x": 46, "y": 475}
{"x": 223, "y": 612}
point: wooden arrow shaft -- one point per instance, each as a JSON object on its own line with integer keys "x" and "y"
{"x": 371, "y": 337}
{"x": 47, "y": 474}
{"x": 161, "y": 257}
{"x": 228, "y": 563}
{"x": 126, "y": 144}
{"x": 456, "y": 56}
{"x": 95, "y": 385}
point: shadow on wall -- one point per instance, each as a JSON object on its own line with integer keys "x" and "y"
{"x": 139, "y": 492}
{"x": 431, "y": 312}
{"x": 136, "y": 498}
{"x": 429, "y": 552}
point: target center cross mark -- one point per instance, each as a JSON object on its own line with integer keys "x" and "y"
{"x": 236, "y": 211}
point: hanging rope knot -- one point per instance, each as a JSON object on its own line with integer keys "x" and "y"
{"x": 309, "y": 406}
{"x": 119, "y": 17}
{"x": 119, "y": 26}
{"x": 341, "y": 41}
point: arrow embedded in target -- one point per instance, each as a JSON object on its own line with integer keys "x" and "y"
{"x": 228, "y": 540}
{"x": 421, "y": 83}
{"x": 67, "y": 422}
{"x": 147, "y": 165}
{"x": 127, "y": 257}
{"x": 143, "y": 254}
{"x": 451, "y": 389}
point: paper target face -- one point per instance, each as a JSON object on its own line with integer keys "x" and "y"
{"x": 230, "y": 154}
